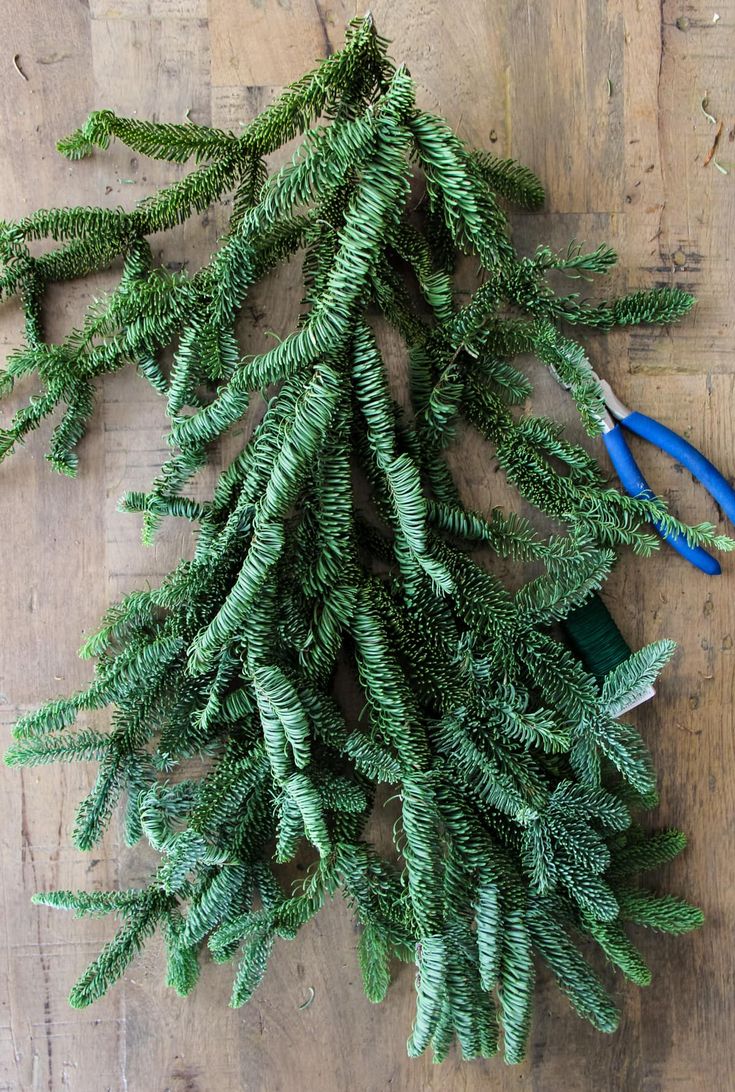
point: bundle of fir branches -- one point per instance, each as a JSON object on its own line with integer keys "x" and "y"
{"x": 336, "y": 540}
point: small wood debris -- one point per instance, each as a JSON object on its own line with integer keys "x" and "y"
{"x": 711, "y": 153}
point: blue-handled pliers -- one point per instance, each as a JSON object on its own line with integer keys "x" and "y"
{"x": 618, "y": 417}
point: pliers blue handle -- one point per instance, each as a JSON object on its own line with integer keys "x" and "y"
{"x": 680, "y": 449}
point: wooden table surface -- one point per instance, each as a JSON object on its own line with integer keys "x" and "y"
{"x": 604, "y": 101}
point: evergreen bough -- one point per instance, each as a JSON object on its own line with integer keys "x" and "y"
{"x": 515, "y": 777}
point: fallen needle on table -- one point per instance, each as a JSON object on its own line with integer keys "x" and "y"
{"x": 18, "y": 69}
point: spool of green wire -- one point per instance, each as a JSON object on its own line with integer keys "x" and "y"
{"x": 595, "y": 638}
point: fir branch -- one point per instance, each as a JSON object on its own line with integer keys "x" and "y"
{"x": 334, "y": 545}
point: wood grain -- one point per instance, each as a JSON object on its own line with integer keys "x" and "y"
{"x": 603, "y": 98}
